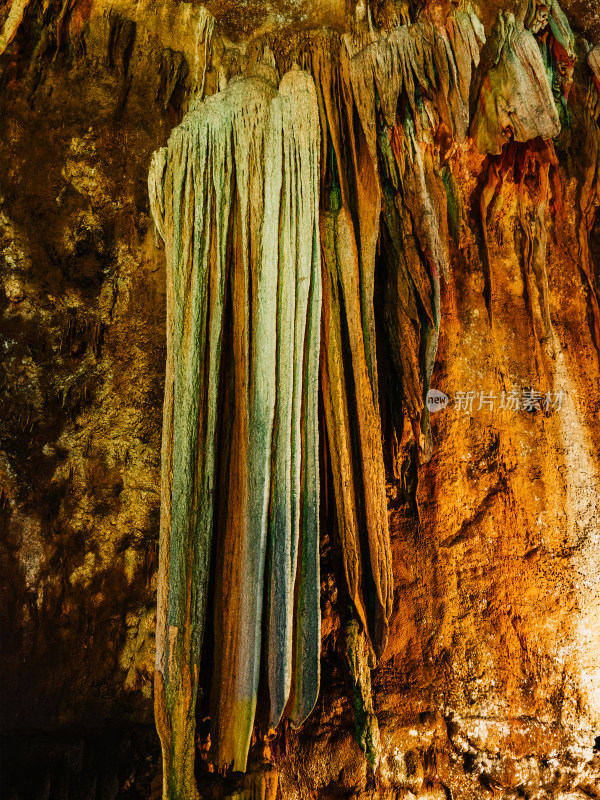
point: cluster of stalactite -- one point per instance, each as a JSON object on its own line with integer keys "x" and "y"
{"x": 306, "y": 220}
{"x": 235, "y": 197}
{"x": 521, "y": 111}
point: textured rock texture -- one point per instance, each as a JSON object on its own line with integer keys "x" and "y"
{"x": 489, "y": 686}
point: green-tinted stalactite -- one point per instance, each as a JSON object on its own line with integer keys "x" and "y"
{"x": 235, "y": 197}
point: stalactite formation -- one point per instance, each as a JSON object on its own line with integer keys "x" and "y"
{"x": 366, "y": 211}
{"x": 304, "y": 221}
{"x": 521, "y": 108}
{"x": 235, "y": 198}
{"x": 515, "y": 102}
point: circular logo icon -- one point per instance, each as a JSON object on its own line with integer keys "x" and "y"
{"x": 436, "y": 400}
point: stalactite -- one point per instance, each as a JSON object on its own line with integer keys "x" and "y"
{"x": 525, "y": 86}
{"x": 392, "y": 84}
{"x": 305, "y": 224}
{"x": 417, "y": 75}
{"x": 193, "y": 222}
{"x": 254, "y": 279}
{"x": 204, "y": 34}
{"x": 416, "y": 260}
{"x": 373, "y": 79}
{"x": 295, "y": 496}
{"x": 341, "y": 259}
{"x": 337, "y": 416}
{"x": 235, "y": 199}
{"x": 515, "y": 102}
{"x": 349, "y": 231}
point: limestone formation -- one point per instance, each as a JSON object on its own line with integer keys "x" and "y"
{"x": 242, "y": 171}
{"x": 235, "y": 199}
{"x": 337, "y": 207}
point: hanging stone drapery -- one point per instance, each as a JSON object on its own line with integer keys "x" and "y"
{"x": 515, "y": 101}
{"x": 251, "y": 218}
{"x": 235, "y": 198}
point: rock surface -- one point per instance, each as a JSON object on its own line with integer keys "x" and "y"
{"x": 490, "y": 682}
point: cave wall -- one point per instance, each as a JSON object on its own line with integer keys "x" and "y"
{"x": 489, "y": 683}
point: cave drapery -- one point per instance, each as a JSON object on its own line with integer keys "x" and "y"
{"x": 305, "y": 220}
{"x": 236, "y": 197}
